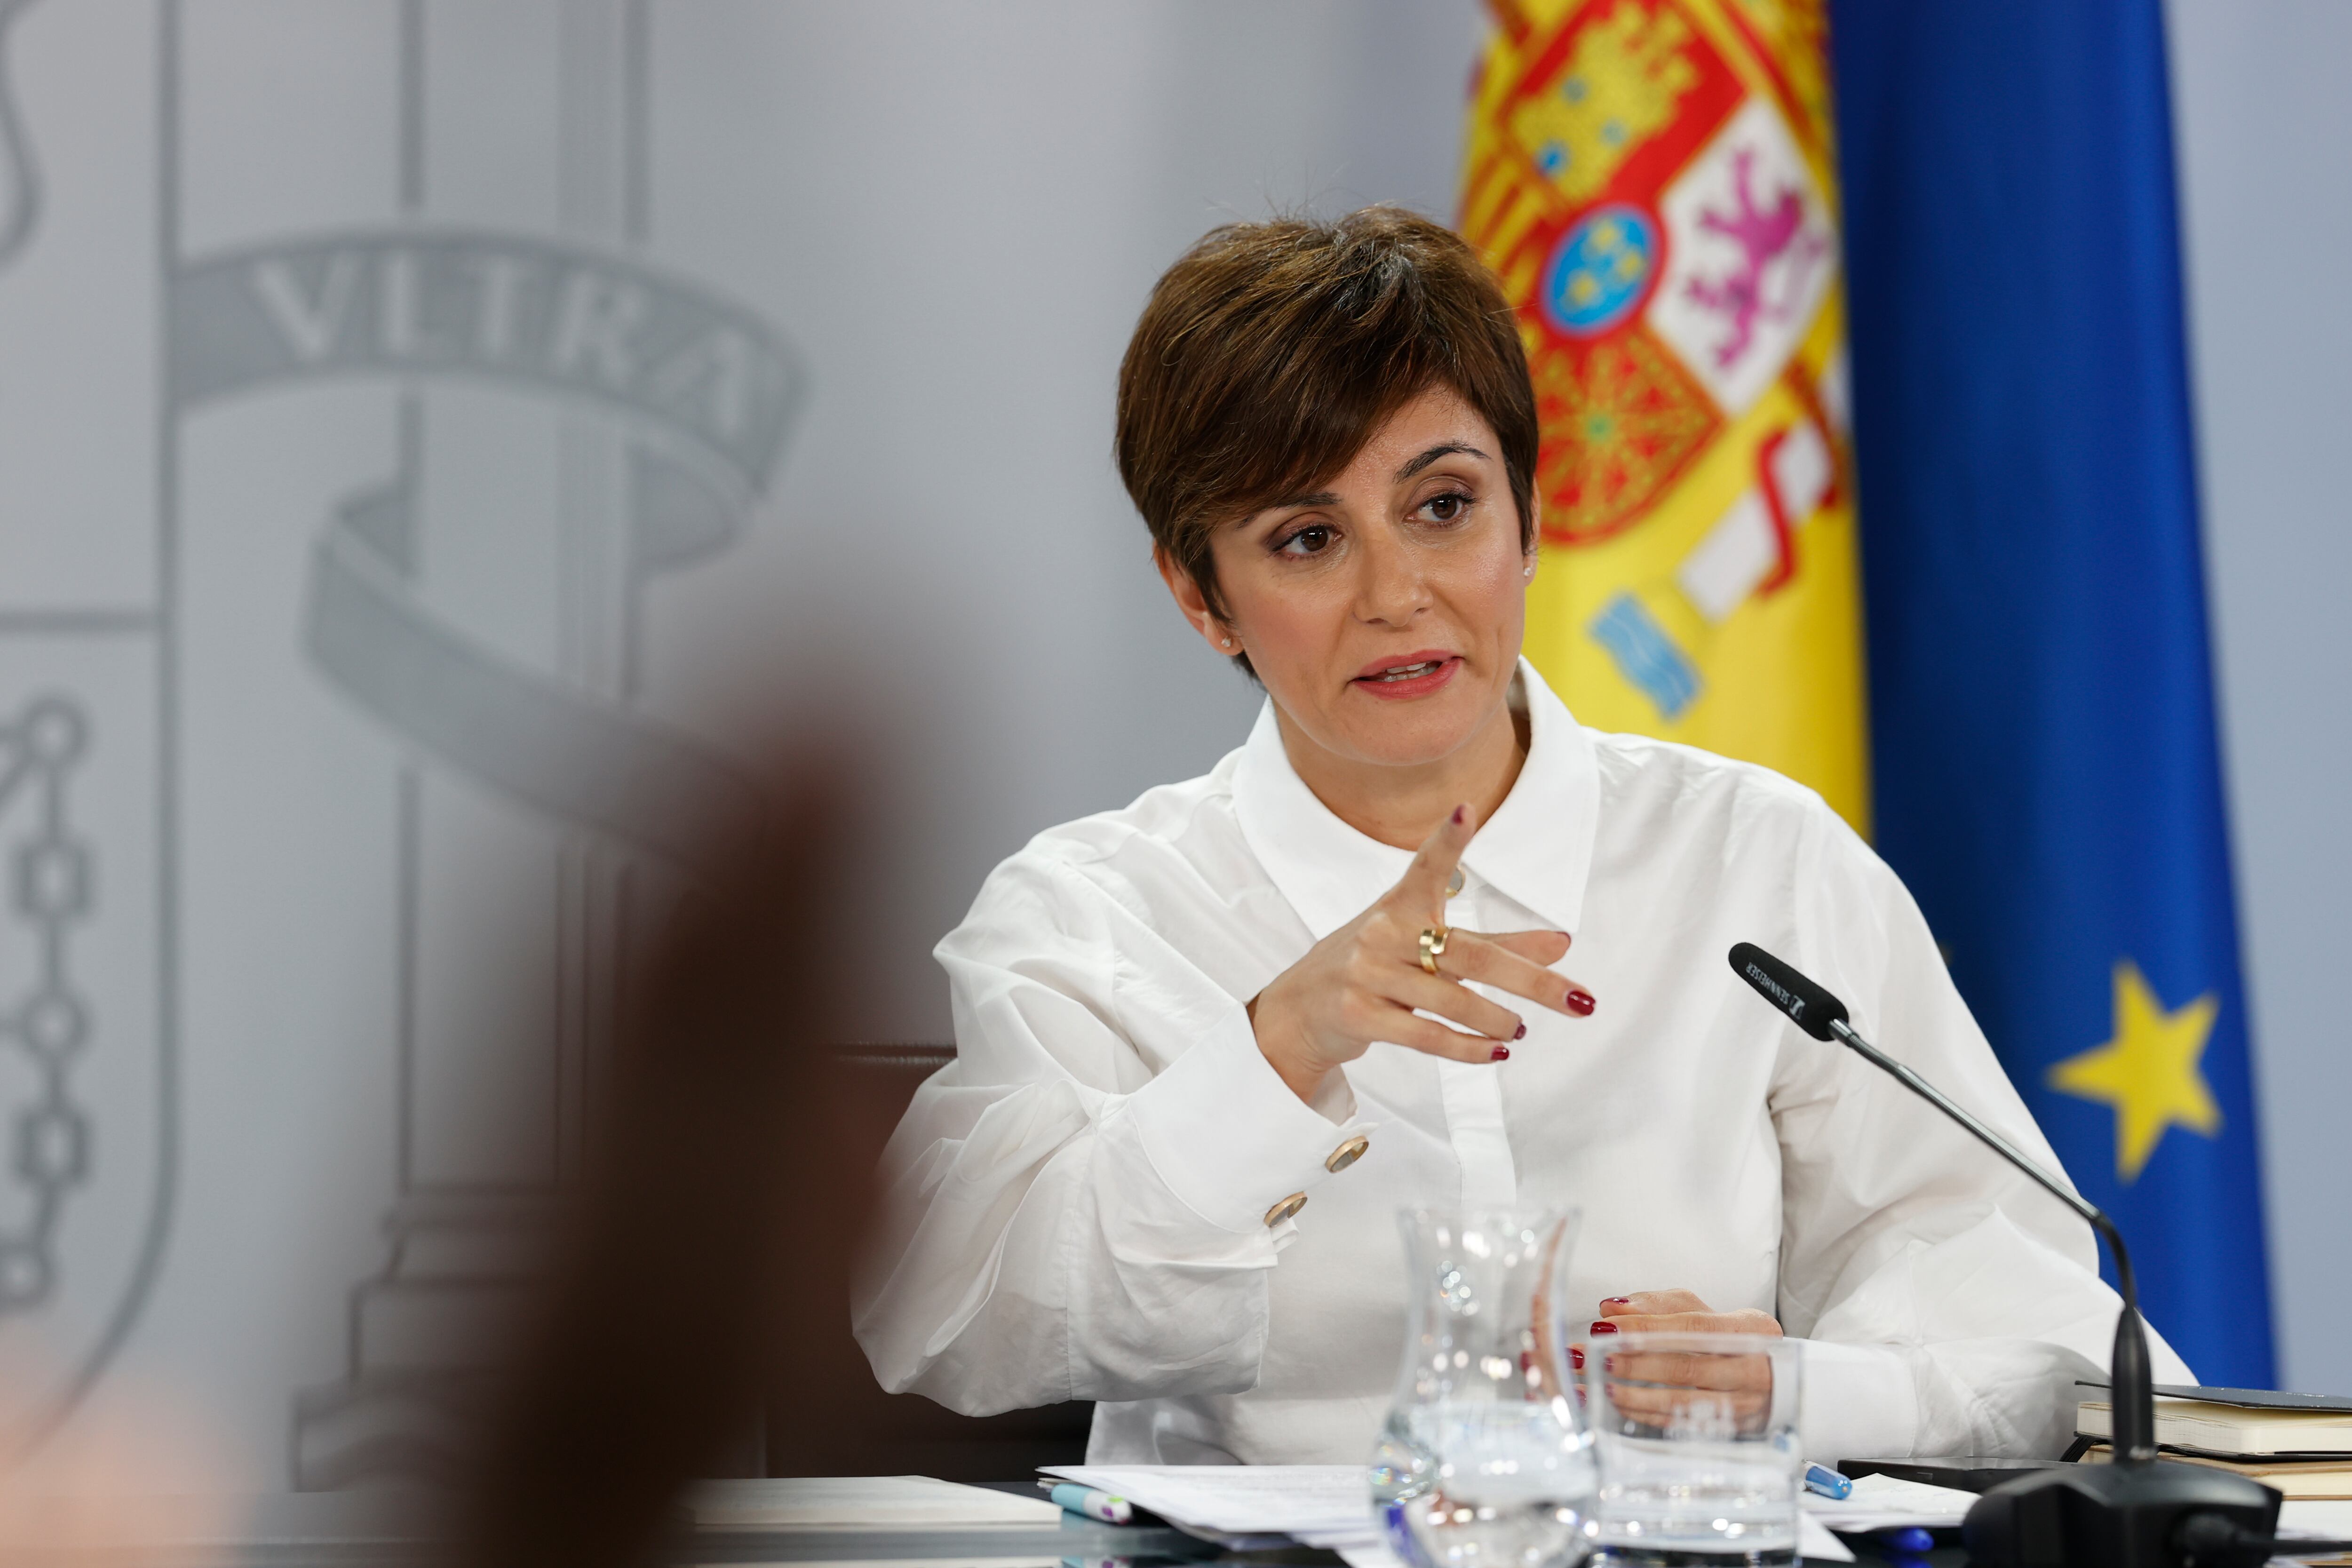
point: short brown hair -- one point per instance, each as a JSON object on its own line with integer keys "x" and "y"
{"x": 1271, "y": 351}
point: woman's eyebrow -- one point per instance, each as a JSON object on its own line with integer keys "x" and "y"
{"x": 1320, "y": 498}
{"x": 1330, "y": 498}
{"x": 1443, "y": 449}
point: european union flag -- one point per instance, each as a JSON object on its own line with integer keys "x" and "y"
{"x": 2042, "y": 708}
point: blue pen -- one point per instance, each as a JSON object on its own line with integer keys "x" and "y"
{"x": 1076, "y": 1498}
{"x": 1828, "y": 1483}
{"x": 1908, "y": 1537}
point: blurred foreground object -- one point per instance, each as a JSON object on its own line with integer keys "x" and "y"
{"x": 873, "y": 1433}
{"x": 131, "y": 1483}
{"x": 1656, "y": 187}
{"x": 705, "y": 1252}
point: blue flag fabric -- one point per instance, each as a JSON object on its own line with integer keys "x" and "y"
{"x": 2041, "y": 703}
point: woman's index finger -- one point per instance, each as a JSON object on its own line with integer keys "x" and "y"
{"x": 1424, "y": 882}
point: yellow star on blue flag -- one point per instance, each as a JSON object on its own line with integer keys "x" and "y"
{"x": 2148, "y": 1071}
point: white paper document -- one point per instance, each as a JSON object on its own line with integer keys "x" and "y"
{"x": 855, "y": 1502}
{"x": 1330, "y": 1501}
{"x": 1315, "y": 1505}
{"x": 1814, "y": 1540}
{"x": 1882, "y": 1502}
{"x": 2314, "y": 1518}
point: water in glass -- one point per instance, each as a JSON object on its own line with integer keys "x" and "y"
{"x": 1697, "y": 1438}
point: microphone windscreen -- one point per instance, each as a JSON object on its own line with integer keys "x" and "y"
{"x": 1809, "y": 1007}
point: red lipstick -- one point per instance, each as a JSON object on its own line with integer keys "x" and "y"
{"x": 1413, "y": 675}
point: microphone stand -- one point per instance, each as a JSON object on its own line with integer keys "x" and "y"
{"x": 2139, "y": 1512}
{"x": 2131, "y": 1384}
{"x": 2125, "y": 1514}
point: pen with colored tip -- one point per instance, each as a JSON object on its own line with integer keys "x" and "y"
{"x": 1823, "y": 1481}
{"x": 1076, "y": 1499}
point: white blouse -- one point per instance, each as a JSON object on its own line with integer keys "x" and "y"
{"x": 1077, "y": 1206}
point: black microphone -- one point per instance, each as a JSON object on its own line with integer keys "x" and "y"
{"x": 2136, "y": 1510}
{"x": 1809, "y": 1007}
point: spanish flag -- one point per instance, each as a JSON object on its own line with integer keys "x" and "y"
{"x": 1654, "y": 182}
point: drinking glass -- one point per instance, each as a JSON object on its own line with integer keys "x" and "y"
{"x": 1696, "y": 1437}
{"x": 1485, "y": 1462}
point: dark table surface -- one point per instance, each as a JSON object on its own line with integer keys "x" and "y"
{"x": 346, "y": 1530}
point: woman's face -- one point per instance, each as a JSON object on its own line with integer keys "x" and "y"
{"x": 1384, "y": 613}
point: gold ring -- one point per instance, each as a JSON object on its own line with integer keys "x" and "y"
{"x": 1433, "y": 946}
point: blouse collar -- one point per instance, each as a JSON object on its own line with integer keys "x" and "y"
{"x": 1536, "y": 849}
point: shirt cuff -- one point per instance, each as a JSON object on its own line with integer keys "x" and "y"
{"x": 1231, "y": 1139}
{"x": 1858, "y": 1403}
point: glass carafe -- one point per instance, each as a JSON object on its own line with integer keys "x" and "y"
{"x": 1486, "y": 1460}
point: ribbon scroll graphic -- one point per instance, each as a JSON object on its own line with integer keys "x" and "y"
{"x": 20, "y": 177}
{"x": 707, "y": 390}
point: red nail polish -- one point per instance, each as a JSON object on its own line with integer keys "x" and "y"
{"x": 1457, "y": 814}
{"x": 1522, "y": 1034}
{"x": 1603, "y": 1326}
{"x": 1575, "y": 1358}
{"x": 1502, "y": 1054}
{"x": 1617, "y": 1301}
{"x": 1580, "y": 1003}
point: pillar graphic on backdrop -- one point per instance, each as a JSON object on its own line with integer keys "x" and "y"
{"x": 598, "y": 421}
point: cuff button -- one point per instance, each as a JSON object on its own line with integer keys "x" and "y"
{"x": 1285, "y": 1209}
{"x": 1347, "y": 1154}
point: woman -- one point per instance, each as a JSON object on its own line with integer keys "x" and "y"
{"x": 1423, "y": 940}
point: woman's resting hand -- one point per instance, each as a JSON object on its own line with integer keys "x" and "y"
{"x": 1365, "y": 983}
{"x": 1654, "y": 1386}
{"x": 1677, "y": 1312}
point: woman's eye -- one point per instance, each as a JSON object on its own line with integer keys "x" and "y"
{"x": 1447, "y": 507}
{"x": 1312, "y": 540}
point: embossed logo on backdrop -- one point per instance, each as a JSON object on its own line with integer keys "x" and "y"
{"x": 693, "y": 396}
{"x": 649, "y": 413}
{"x": 86, "y": 1109}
